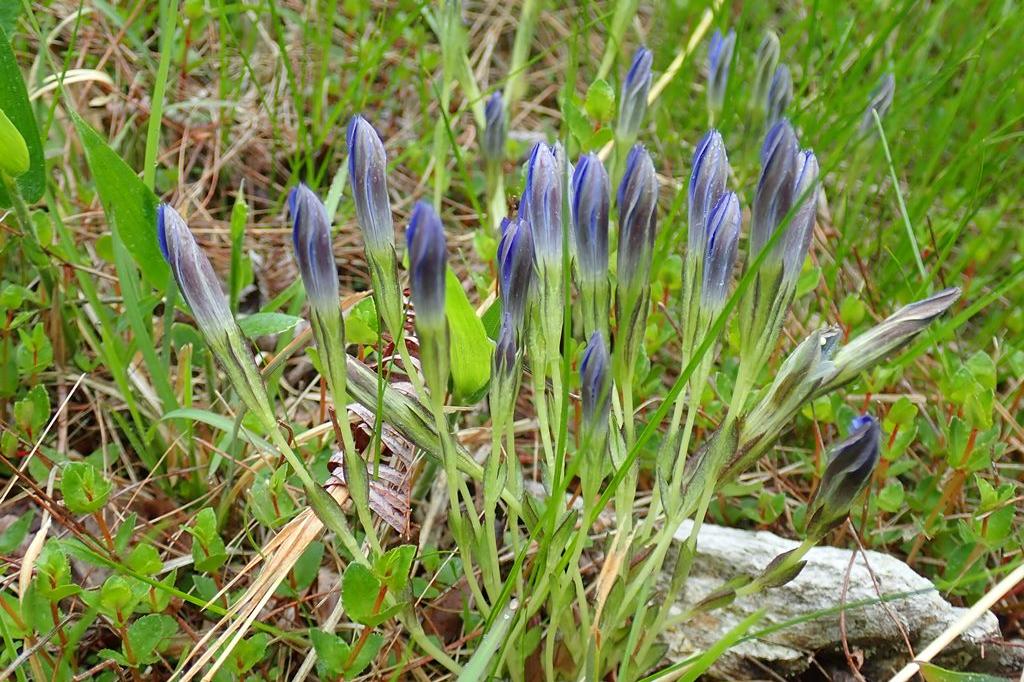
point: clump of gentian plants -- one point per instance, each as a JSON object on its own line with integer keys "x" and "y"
{"x": 567, "y": 572}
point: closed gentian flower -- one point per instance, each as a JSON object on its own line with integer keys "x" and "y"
{"x": 879, "y": 102}
{"x": 367, "y": 166}
{"x": 801, "y": 225}
{"x": 428, "y": 264}
{"x": 633, "y": 98}
{"x": 780, "y": 94}
{"x": 719, "y": 57}
{"x": 887, "y": 337}
{"x": 637, "y": 202}
{"x": 515, "y": 270}
{"x": 720, "y": 254}
{"x": 595, "y": 386}
{"x": 766, "y": 59}
{"x": 541, "y": 205}
{"x": 590, "y": 198}
{"x": 851, "y": 463}
{"x": 428, "y": 259}
{"x": 495, "y": 129}
{"x": 707, "y": 185}
{"x": 202, "y": 292}
{"x": 506, "y": 350}
{"x": 311, "y": 236}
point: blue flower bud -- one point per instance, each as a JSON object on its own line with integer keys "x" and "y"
{"x": 428, "y": 260}
{"x": 719, "y": 57}
{"x": 851, "y": 463}
{"x": 495, "y": 128}
{"x": 311, "y": 235}
{"x": 591, "y": 191}
{"x": 595, "y": 386}
{"x": 720, "y": 254}
{"x": 541, "y": 205}
{"x": 192, "y": 271}
{"x": 202, "y": 292}
{"x": 788, "y": 177}
{"x": 367, "y": 170}
{"x": 515, "y": 270}
{"x": 880, "y": 101}
{"x": 637, "y": 203}
{"x": 766, "y": 59}
{"x": 780, "y": 94}
{"x": 633, "y": 98}
{"x": 707, "y": 185}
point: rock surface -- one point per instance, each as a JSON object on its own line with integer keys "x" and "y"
{"x": 876, "y": 632}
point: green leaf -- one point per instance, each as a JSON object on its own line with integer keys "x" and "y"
{"x": 249, "y": 652}
{"x": 371, "y": 647}
{"x": 331, "y": 651}
{"x": 933, "y": 673}
{"x": 470, "y": 348}
{"x": 148, "y": 636}
{"x": 15, "y": 104}
{"x": 359, "y": 591}
{"x": 129, "y": 205}
{"x": 14, "y": 534}
{"x": 600, "y": 103}
{"x": 84, "y": 487}
{"x": 267, "y": 324}
{"x": 394, "y": 566}
{"x": 239, "y": 273}
{"x": 116, "y": 599}
{"x": 9, "y": 13}
{"x": 145, "y": 559}
{"x": 208, "y": 551}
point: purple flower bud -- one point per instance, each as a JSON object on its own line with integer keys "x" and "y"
{"x": 637, "y": 202}
{"x": 633, "y": 98}
{"x": 367, "y": 169}
{"x": 788, "y": 177}
{"x": 720, "y": 254}
{"x": 719, "y": 57}
{"x": 196, "y": 279}
{"x": 495, "y": 128}
{"x": 780, "y": 94}
{"x": 880, "y": 102}
{"x": 766, "y": 59}
{"x": 515, "y": 269}
{"x": 707, "y": 185}
{"x": 506, "y": 352}
{"x": 541, "y": 204}
{"x": 428, "y": 259}
{"x": 590, "y": 204}
{"x": 595, "y": 385}
{"x": 311, "y": 235}
{"x": 850, "y": 465}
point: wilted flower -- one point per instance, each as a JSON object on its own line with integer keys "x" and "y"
{"x": 515, "y": 269}
{"x": 637, "y": 200}
{"x": 720, "y": 254}
{"x": 367, "y": 166}
{"x": 595, "y": 386}
{"x": 541, "y": 205}
{"x": 428, "y": 265}
{"x": 719, "y": 57}
{"x": 633, "y": 98}
{"x": 879, "y": 102}
{"x": 495, "y": 129}
{"x": 850, "y": 465}
{"x": 780, "y": 94}
{"x": 202, "y": 292}
{"x": 887, "y": 337}
{"x": 766, "y": 59}
{"x": 311, "y": 235}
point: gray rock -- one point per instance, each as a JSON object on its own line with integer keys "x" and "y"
{"x": 875, "y": 631}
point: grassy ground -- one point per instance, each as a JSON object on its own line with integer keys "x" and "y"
{"x": 221, "y": 107}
